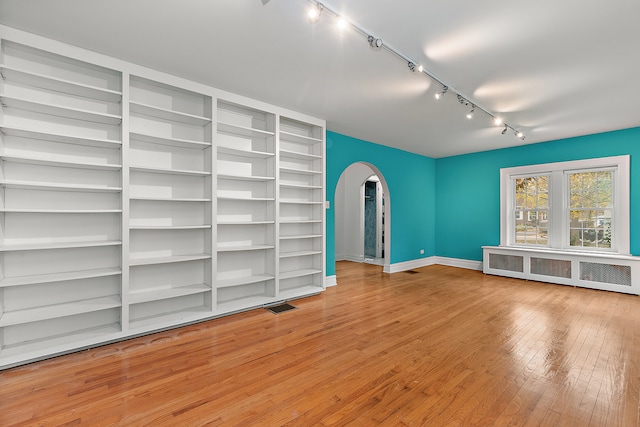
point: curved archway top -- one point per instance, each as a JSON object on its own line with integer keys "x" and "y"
{"x": 352, "y": 178}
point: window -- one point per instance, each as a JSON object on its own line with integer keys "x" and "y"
{"x": 577, "y": 205}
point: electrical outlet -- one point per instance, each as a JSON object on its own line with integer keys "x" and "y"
{"x": 421, "y": 251}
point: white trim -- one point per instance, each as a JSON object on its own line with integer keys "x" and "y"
{"x": 559, "y": 196}
{"x": 460, "y": 263}
{"x": 330, "y": 281}
{"x": 408, "y": 265}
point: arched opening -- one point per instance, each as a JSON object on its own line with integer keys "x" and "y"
{"x": 363, "y": 216}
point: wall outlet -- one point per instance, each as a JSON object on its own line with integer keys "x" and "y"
{"x": 421, "y": 251}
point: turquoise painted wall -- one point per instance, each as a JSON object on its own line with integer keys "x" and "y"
{"x": 467, "y": 188}
{"x": 411, "y": 181}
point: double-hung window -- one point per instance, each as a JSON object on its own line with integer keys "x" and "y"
{"x": 577, "y": 205}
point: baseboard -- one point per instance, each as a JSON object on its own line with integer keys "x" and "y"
{"x": 353, "y": 258}
{"x": 330, "y": 281}
{"x": 460, "y": 263}
{"x": 408, "y": 265}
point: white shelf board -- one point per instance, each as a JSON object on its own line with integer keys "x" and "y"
{"x": 35, "y": 246}
{"x": 173, "y": 142}
{"x": 247, "y": 199}
{"x": 33, "y": 185}
{"x": 59, "y": 85}
{"x": 58, "y": 163}
{"x": 58, "y": 277}
{"x": 298, "y": 273}
{"x": 301, "y": 236}
{"x": 168, "y": 171}
{"x": 232, "y": 129}
{"x": 297, "y": 155}
{"x": 243, "y": 304}
{"x": 244, "y": 153}
{"x": 59, "y": 310}
{"x": 170, "y": 227}
{"x": 244, "y": 248}
{"x": 170, "y": 199}
{"x": 137, "y": 297}
{"x": 300, "y": 186}
{"x": 170, "y": 319}
{"x": 300, "y": 171}
{"x": 60, "y": 111}
{"x": 239, "y": 281}
{"x": 300, "y": 221}
{"x": 288, "y": 136}
{"x": 77, "y": 339}
{"x": 245, "y": 177}
{"x": 61, "y": 138}
{"x": 165, "y": 114}
{"x": 298, "y": 202}
{"x": 245, "y": 222}
{"x": 299, "y": 254}
{"x": 167, "y": 260}
{"x": 300, "y": 291}
{"x": 62, "y": 211}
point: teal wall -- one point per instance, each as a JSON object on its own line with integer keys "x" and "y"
{"x": 411, "y": 182}
{"x": 468, "y": 186}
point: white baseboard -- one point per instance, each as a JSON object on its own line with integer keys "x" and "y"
{"x": 408, "y": 265}
{"x": 460, "y": 263}
{"x": 353, "y": 258}
{"x": 330, "y": 281}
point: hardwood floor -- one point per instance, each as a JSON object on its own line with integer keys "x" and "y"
{"x": 441, "y": 347}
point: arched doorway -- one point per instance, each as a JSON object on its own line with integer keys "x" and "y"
{"x": 362, "y": 215}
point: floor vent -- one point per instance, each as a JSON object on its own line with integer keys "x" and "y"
{"x": 280, "y": 308}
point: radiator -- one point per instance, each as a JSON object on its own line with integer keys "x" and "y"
{"x": 610, "y": 272}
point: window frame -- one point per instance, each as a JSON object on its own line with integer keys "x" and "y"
{"x": 558, "y": 218}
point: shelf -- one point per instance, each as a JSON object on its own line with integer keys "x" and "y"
{"x": 168, "y": 171}
{"x": 300, "y": 186}
{"x": 61, "y": 211}
{"x": 173, "y": 318}
{"x": 245, "y": 178}
{"x": 167, "y": 260}
{"x": 59, "y": 85}
{"x": 58, "y": 245}
{"x": 29, "y": 185}
{"x": 228, "y": 283}
{"x": 243, "y": 304}
{"x": 298, "y": 273}
{"x": 288, "y": 136}
{"x": 306, "y": 236}
{"x": 169, "y": 199}
{"x": 244, "y": 248}
{"x": 165, "y": 114}
{"x": 301, "y": 221}
{"x": 58, "y": 277}
{"x": 244, "y": 153}
{"x": 245, "y": 222}
{"x": 300, "y": 171}
{"x": 59, "y": 310}
{"x": 59, "y": 163}
{"x": 61, "y": 138}
{"x": 173, "y": 142}
{"x": 301, "y": 156}
{"x": 247, "y": 199}
{"x": 137, "y": 297}
{"x": 169, "y": 227}
{"x": 57, "y": 110}
{"x": 231, "y": 129}
{"x": 296, "y": 202}
{"x": 297, "y": 292}
{"x": 299, "y": 253}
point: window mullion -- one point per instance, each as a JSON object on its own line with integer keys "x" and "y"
{"x": 558, "y": 210}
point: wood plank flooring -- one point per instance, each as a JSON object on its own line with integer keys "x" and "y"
{"x": 441, "y": 347}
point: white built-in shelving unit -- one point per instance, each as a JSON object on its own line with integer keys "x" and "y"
{"x": 133, "y": 201}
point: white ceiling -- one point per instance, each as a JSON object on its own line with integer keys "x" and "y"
{"x": 553, "y": 69}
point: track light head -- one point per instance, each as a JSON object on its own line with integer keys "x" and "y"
{"x": 470, "y": 113}
{"x": 462, "y": 101}
{"x": 411, "y": 66}
{"x": 314, "y": 12}
{"x": 497, "y": 121}
{"x": 420, "y": 68}
{"x": 520, "y": 135}
{"x": 505, "y": 129}
{"x": 374, "y": 42}
{"x": 442, "y": 93}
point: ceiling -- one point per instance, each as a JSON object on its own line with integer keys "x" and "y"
{"x": 552, "y": 69}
